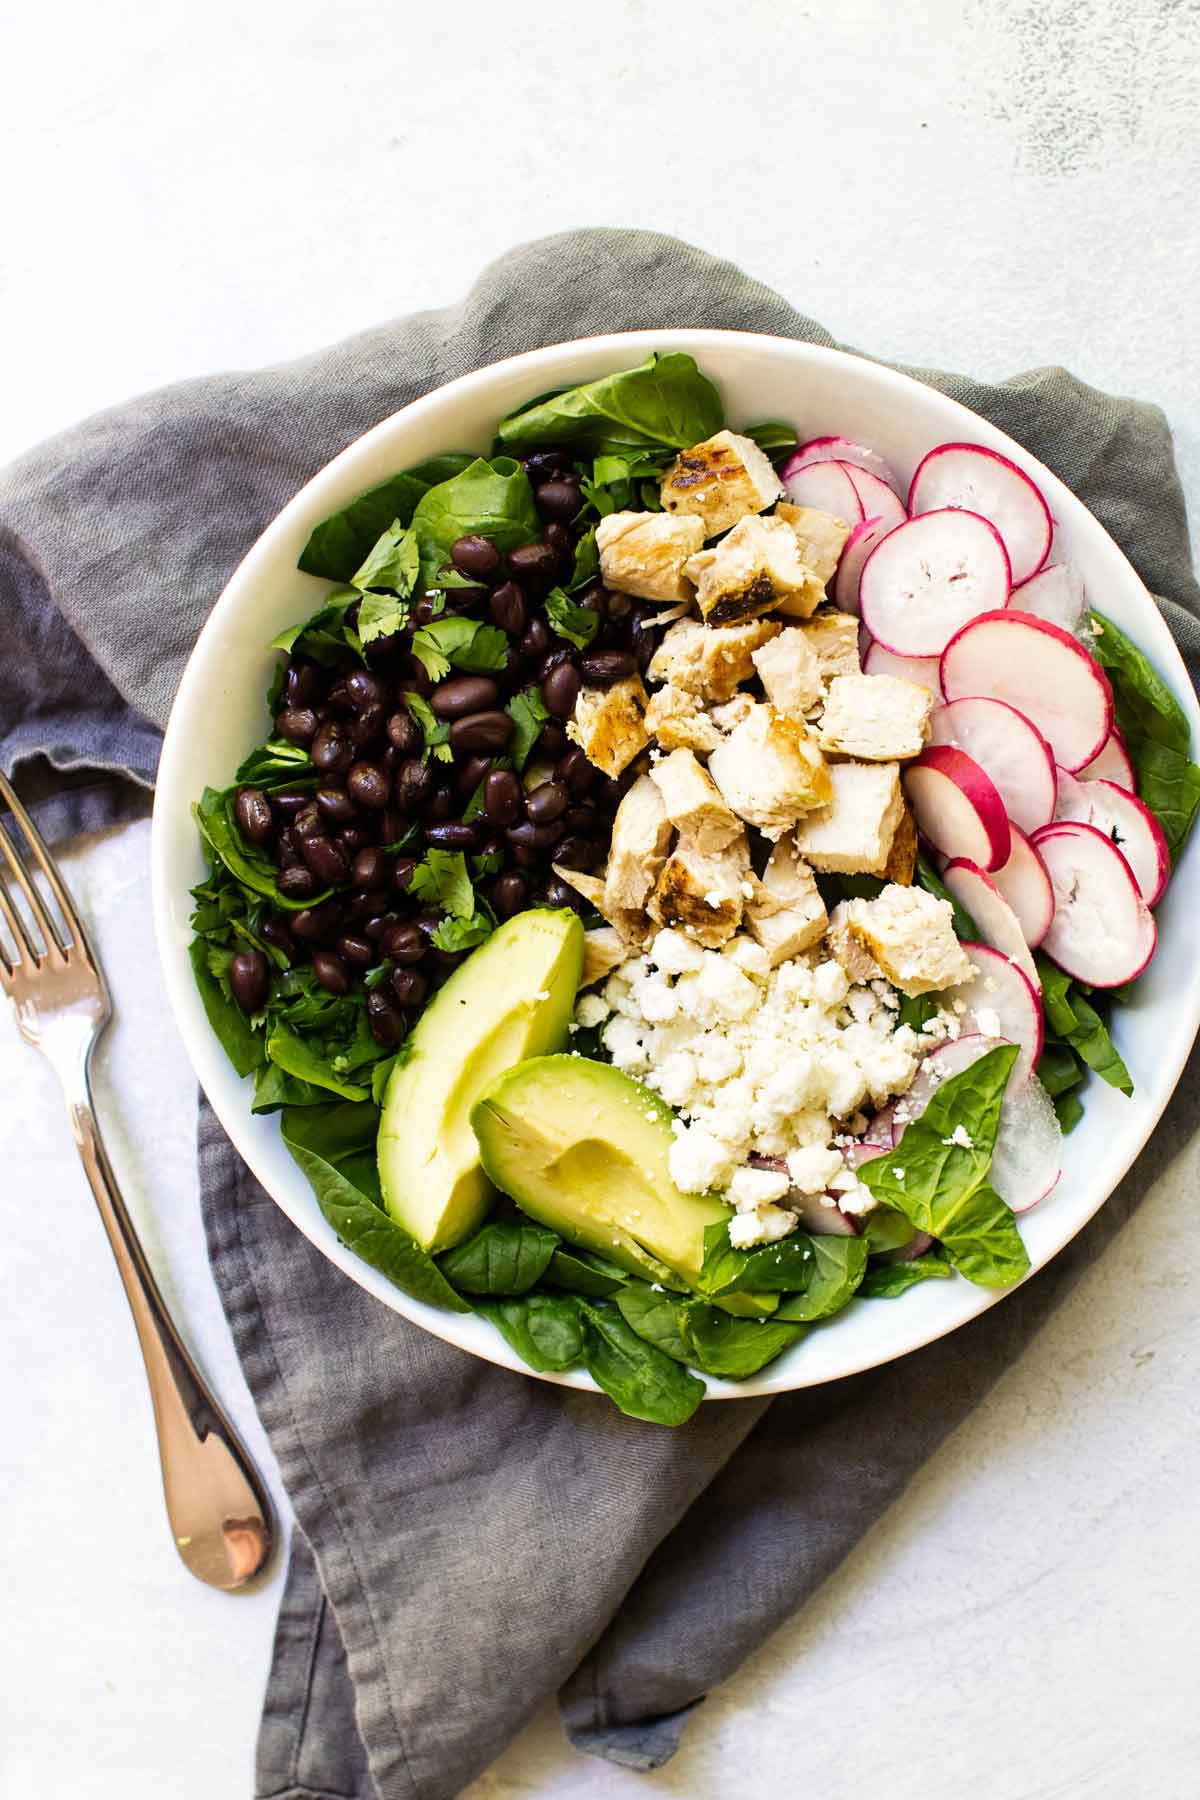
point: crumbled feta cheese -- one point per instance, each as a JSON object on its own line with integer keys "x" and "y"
{"x": 591, "y": 1010}
{"x": 855, "y": 1198}
{"x": 699, "y": 1161}
{"x": 676, "y": 1078}
{"x": 960, "y": 1136}
{"x": 766, "y": 1226}
{"x": 988, "y": 1021}
{"x": 831, "y": 984}
{"x": 752, "y": 1188}
{"x": 812, "y": 1169}
{"x": 674, "y": 953}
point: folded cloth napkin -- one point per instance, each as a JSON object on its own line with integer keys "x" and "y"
{"x": 469, "y": 1540}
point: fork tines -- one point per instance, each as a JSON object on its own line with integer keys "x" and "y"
{"x": 17, "y": 886}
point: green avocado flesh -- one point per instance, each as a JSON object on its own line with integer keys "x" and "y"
{"x": 512, "y": 999}
{"x": 582, "y": 1148}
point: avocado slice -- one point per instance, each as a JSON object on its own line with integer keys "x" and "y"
{"x": 511, "y": 999}
{"x": 582, "y": 1148}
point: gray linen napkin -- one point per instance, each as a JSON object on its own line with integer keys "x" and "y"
{"x": 468, "y": 1540}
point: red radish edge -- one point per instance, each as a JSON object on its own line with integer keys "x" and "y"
{"x": 914, "y": 509}
{"x": 1047, "y": 842}
{"x": 1026, "y": 885}
{"x": 987, "y": 832}
{"x": 979, "y": 895}
{"x": 1009, "y": 616}
{"x": 858, "y": 546}
{"x": 840, "y": 449}
{"x": 1113, "y": 763}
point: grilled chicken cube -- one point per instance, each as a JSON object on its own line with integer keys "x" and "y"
{"x": 790, "y": 672}
{"x": 771, "y": 771}
{"x": 877, "y": 718}
{"x": 630, "y": 923}
{"x": 604, "y": 949}
{"x": 720, "y": 481}
{"x": 909, "y": 937}
{"x": 644, "y": 554}
{"x": 730, "y": 714}
{"x": 641, "y": 837}
{"x": 833, "y": 637}
{"x": 902, "y": 857}
{"x": 609, "y": 724}
{"x": 853, "y": 833}
{"x": 710, "y": 660}
{"x": 694, "y": 802}
{"x": 676, "y": 720}
{"x": 755, "y": 567}
{"x": 820, "y": 536}
{"x": 702, "y": 893}
{"x": 787, "y": 913}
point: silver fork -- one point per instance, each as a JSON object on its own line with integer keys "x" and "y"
{"x": 220, "y": 1516}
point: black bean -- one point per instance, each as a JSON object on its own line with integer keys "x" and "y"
{"x": 377, "y": 927}
{"x": 327, "y": 860}
{"x": 552, "y": 742}
{"x": 413, "y": 784}
{"x": 554, "y": 657}
{"x": 334, "y": 805}
{"x": 451, "y": 834}
{"x": 403, "y": 943}
{"x": 575, "y": 852}
{"x": 249, "y": 978}
{"x": 384, "y": 1019}
{"x": 508, "y": 894}
{"x": 525, "y": 858}
{"x": 403, "y": 870}
{"x": 503, "y": 797}
{"x": 331, "y": 971}
{"x": 273, "y": 929}
{"x": 559, "y": 499}
{"x": 535, "y": 565}
{"x": 416, "y": 679}
{"x": 604, "y": 666}
{"x": 470, "y": 773}
{"x": 287, "y": 853}
{"x": 389, "y": 759}
{"x": 618, "y": 606}
{"x": 483, "y": 732}
{"x": 426, "y": 610}
{"x": 560, "y": 690}
{"x": 302, "y": 683}
{"x": 287, "y": 805}
{"x": 409, "y": 986}
{"x": 365, "y": 689}
{"x": 357, "y": 950}
{"x": 366, "y": 727}
{"x": 365, "y": 902}
{"x": 338, "y": 700}
{"x": 547, "y": 465}
{"x": 370, "y": 868}
{"x": 404, "y": 732}
{"x": 577, "y": 771}
{"x": 512, "y": 675}
{"x": 474, "y": 556}
{"x": 608, "y": 796}
{"x": 507, "y": 608}
{"x": 441, "y": 804}
{"x": 252, "y": 810}
{"x": 296, "y": 882}
{"x": 367, "y": 786}
{"x": 582, "y": 818}
{"x": 536, "y": 638}
{"x": 332, "y": 750}
{"x": 298, "y": 724}
{"x": 391, "y": 826}
{"x": 548, "y": 801}
{"x": 561, "y": 893}
{"x": 465, "y": 694}
{"x": 642, "y": 643}
{"x": 528, "y": 836}
{"x": 318, "y": 924}
{"x": 352, "y": 838}
{"x": 465, "y": 599}
{"x": 308, "y": 823}
{"x": 559, "y": 540}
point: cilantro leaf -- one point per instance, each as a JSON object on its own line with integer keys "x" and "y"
{"x": 442, "y": 880}
{"x": 528, "y": 714}
{"x": 466, "y": 643}
{"x": 572, "y": 622}
{"x": 435, "y": 731}
{"x": 394, "y": 562}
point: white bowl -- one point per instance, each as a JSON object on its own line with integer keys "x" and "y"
{"x": 219, "y": 715}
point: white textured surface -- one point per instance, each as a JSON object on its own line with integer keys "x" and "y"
{"x": 981, "y": 186}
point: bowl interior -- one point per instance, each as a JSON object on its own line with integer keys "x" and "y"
{"x": 219, "y": 714}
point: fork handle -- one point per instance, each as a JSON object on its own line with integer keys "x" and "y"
{"x": 220, "y": 1515}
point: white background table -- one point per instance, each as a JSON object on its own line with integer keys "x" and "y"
{"x": 987, "y": 186}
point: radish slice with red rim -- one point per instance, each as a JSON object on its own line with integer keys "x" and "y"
{"x": 1009, "y": 748}
{"x": 1037, "y": 668}
{"x": 840, "y": 449}
{"x": 957, "y": 807}
{"x": 1054, "y": 593}
{"x": 999, "y": 1001}
{"x": 820, "y": 1214}
{"x": 1024, "y": 883}
{"x": 828, "y": 488}
{"x": 876, "y": 496}
{"x": 995, "y": 918}
{"x": 940, "y": 1064}
{"x": 1102, "y": 931}
{"x": 1130, "y": 825}
{"x": 858, "y": 546}
{"x": 1112, "y": 764}
{"x": 982, "y": 481}
{"x": 922, "y": 671}
{"x": 1027, "y": 1155}
{"x": 929, "y": 577}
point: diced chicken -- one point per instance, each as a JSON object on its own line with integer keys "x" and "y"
{"x": 787, "y": 913}
{"x": 694, "y": 802}
{"x": 701, "y": 894}
{"x": 677, "y": 721}
{"x": 909, "y": 936}
{"x": 604, "y": 949}
{"x": 730, "y": 714}
{"x": 710, "y": 660}
{"x": 720, "y": 481}
{"x": 820, "y": 536}
{"x": 641, "y": 837}
{"x": 609, "y": 724}
{"x": 833, "y": 636}
{"x": 848, "y": 949}
{"x": 770, "y": 771}
{"x": 630, "y": 924}
{"x": 644, "y": 553}
{"x": 755, "y": 567}
{"x": 853, "y": 834}
{"x": 790, "y": 672}
{"x": 902, "y": 857}
{"x": 878, "y": 718}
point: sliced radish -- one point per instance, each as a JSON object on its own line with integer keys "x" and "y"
{"x": 991, "y": 912}
{"x": 1054, "y": 593}
{"x": 984, "y": 482}
{"x": 1131, "y": 826}
{"x": 1024, "y": 883}
{"x": 1008, "y": 748}
{"x": 1037, "y": 668}
{"x": 922, "y": 671}
{"x": 827, "y": 487}
{"x": 1102, "y": 931}
{"x": 929, "y": 577}
{"x": 1112, "y": 764}
{"x": 858, "y": 1154}
{"x": 1027, "y": 1155}
{"x": 876, "y": 496}
{"x": 858, "y": 546}
{"x": 881, "y": 1129}
{"x": 956, "y": 806}
{"x": 999, "y": 1001}
{"x": 865, "y": 640}
{"x": 916, "y": 1246}
{"x": 820, "y": 1214}
{"x": 840, "y": 449}
{"x": 940, "y": 1064}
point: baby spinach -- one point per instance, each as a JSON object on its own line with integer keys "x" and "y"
{"x": 928, "y": 878}
{"x": 656, "y": 1316}
{"x": 884, "y": 1281}
{"x": 325, "y": 637}
{"x": 734, "y": 1348}
{"x": 240, "y": 1042}
{"x": 322, "y": 1146}
{"x": 500, "y": 1259}
{"x": 253, "y": 868}
{"x": 489, "y": 499}
{"x": 780, "y": 1268}
{"x": 1058, "y": 1068}
{"x": 339, "y": 543}
{"x": 304, "y": 1058}
{"x": 579, "y": 1272}
{"x": 1156, "y": 732}
{"x": 545, "y": 1330}
{"x": 528, "y": 713}
{"x": 885, "y": 1229}
{"x": 839, "y": 1264}
{"x": 665, "y": 400}
{"x": 774, "y": 438}
{"x": 575, "y": 623}
{"x": 274, "y": 1089}
{"x": 1072, "y": 1019}
{"x": 644, "y": 1383}
{"x": 941, "y": 1186}
{"x": 1069, "y": 1108}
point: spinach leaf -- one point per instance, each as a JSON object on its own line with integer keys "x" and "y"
{"x": 779, "y": 1268}
{"x": 1058, "y": 1068}
{"x": 545, "y": 1330}
{"x": 928, "y": 878}
{"x": 884, "y": 1281}
{"x": 916, "y": 1010}
{"x": 274, "y": 1089}
{"x": 572, "y": 622}
{"x": 240, "y": 1042}
{"x": 302, "y": 1058}
{"x": 665, "y": 400}
{"x": 325, "y": 637}
{"x": 312, "y": 1140}
{"x": 1069, "y": 1108}
{"x": 941, "y": 1186}
{"x": 581, "y": 1273}
{"x": 435, "y": 731}
{"x": 442, "y": 881}
{"x": 774, "y": 438}
{"x": 488, "y": 499}
{"x": 500, "y": 1259}
{"x": 1156, "y": 732}
{"x": 734, "y": 1348}
{"x": 254, "y": 869}
{"x": 656, "y": 1316}
{"x": 839, "y": 1264}
{"x": 885, "y": 1229}
{"x": 466, "y": 643}
{"x": 643, "y": 1382}
{"x": 340, "y": 543}
{"x": 1073, "y": 1019}
{"x": 528, "y": 714}
{"x": 276, "y": 764}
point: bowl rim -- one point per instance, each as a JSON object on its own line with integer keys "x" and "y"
{"x": 202, "y": 1048}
